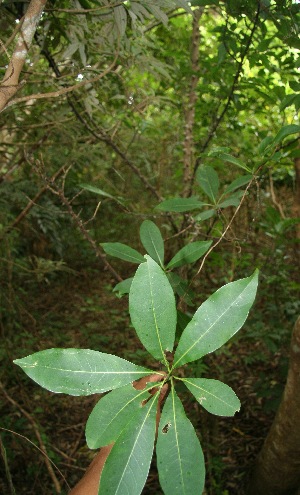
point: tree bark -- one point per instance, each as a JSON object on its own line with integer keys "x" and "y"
{"x": 10, "y": 83}
{"x": 188, "y": 145}
{"x": 296, "y": 205}
{"x": 277, "y": 468}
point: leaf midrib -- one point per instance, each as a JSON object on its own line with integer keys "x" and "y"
{"x": 209, "y": 393}
{"x": 137, "y": 437}
{"x": 209, "y": 329}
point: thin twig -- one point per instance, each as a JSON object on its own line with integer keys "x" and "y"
{"x": 58, "y": 191}
{"x": 42, "y": 448}
{"x": 63, "y": 91}
{"x": 29, "y": 205}
{"x": 226, "y": 229}
{"x": 6, "y": 467}
{"x": 273, "y": 196}
{"x": 221, "y": 116}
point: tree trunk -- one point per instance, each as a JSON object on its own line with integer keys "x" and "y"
{"x": 296, "y": 206}
{"x": 277, "y": 468}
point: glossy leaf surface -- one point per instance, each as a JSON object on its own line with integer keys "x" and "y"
{"x": 152, "y": 309}
{"x": 123, "y": 252}
{"x": 79, "y": 371}
{"x": 112, "y": 413}
{"x": 216, "y": 397}
{"x": 152, "y": 241}
{"x": 180, "y": 459}
{"x": 217, "y": 320}
{"x": 127, "y": 466}
{"x": 189, "y": 253}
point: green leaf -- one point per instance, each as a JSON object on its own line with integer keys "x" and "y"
{"x": 294, "y": 85}
{"x": 208, "y": 179}
{"x": 265, "y": 145}
{"x": 285, "y": 131}
{"x": 180, "y": 205}
{"x": 158, "y": 13}
{"x": 123, "y": 252}
{"x": 217, "y": 320}
{"x": 79, "y": 371}
{"x": 205, "y": 215}
{"x": 233, "y": 200}
{"x": 288, "y": 101}
{"x": 120, "y": 19}
{"x": 232, "y": 159}
{"x": 98, "y": 191}
{"x": 237, "y": 183}
{"x": 126, "y": 468}
{"x": 216, "y": 397}
{"x": 189, "y": 253}
{"x": 112, "y": 413}
{"x": 217, "y": 150}
{"x": 182, "y": 320}
{"x": 180, "y": 460}
{"x": 152, "y": 309}
{"x": 184, "y": 5}
{"x": 200, "y": 3}
{"x": 181, "y": 287}
{"x": 152, "y": 241}
{"x": 123, "y": 287}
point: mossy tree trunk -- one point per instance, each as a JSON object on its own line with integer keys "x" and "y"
{"x": 277, "y": 468}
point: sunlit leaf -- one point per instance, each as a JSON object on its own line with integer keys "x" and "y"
{"x": 180, "y": 460}
{"x": 216, "y": 397}
{"x": 217, "y": 320}
{"x": 127, "y": 466}
{"x": 152, "y": 308}
{"x": 79, "y": 371}
{"x": 189, "y": 253}
{"x": 152, "y": 241}
{"x": 123, "y": 252}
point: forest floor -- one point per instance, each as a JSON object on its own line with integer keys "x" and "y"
{"x": 79, "y": 309}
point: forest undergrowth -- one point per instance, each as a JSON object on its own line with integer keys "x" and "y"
{"x": 76, "y": 310}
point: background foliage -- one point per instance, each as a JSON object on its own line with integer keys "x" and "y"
{"x": 86, "y": 167}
